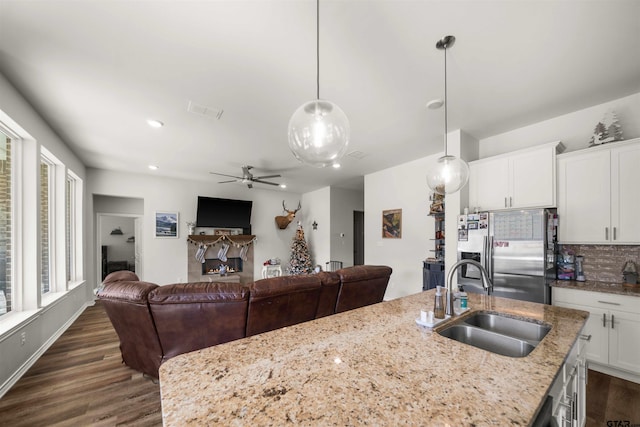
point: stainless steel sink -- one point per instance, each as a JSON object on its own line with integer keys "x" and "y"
{"x": 515, "y": 328}
{"x": 486, "y": 340}
{"x": 498, "y": 334}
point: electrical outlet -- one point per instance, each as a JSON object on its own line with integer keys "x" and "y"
{"x": 23, "y": 338}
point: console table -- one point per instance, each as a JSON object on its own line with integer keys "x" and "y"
{"x": 271, "y": 271}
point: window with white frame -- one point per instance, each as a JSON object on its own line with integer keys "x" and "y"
{"x": 6, "y": 224}
{"x": 73, "y": 227}
{"x": 46, "y": 224}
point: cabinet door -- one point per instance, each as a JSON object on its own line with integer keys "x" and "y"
{"x": 532, "y": 179}
{"x": 489, "y": 184}
{"x": 624, "y": 341}
{"x": 597, "y": 327}
{"x": 583, "y": 198}
{"x": 625, "y": 194}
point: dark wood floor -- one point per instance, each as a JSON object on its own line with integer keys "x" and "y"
{"x": 80, "y": 381}
{"x": 611, "y": 399}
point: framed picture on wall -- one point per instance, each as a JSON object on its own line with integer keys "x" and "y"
{"x": 167, "y": 225}
{"x": 392, "y": 224}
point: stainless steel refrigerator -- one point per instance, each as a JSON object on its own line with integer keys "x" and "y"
{"x": 517, "y": 248}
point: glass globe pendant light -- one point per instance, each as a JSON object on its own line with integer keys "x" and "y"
{"x": 450, "y": 173}
{"x": 318, "y": 130}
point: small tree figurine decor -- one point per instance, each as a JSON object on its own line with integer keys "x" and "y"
{"x": 300, "y": 261}
{"x": 607, "y": 130}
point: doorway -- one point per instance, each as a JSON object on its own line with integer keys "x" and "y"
{"x": 118, "y": 235}
{"x": 358, "y": 237}
{"x": 119, "y": 243}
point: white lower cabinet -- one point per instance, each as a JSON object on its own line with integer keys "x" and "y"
{"x": 613, "y": 327}
{"x": 569, "y": 391}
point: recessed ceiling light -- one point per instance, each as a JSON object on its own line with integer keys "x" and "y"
{"x": 434, "y": 104}
{"x": 153, "y": 167}
{"x": 283, "y": 185}
{"x": 336, "y": 165}
{"x": 155, "y": 123}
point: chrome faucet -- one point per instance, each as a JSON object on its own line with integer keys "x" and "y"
{"x": 486, "y": 282}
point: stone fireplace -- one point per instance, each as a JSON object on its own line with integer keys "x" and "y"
{"x": 209, "y": 270}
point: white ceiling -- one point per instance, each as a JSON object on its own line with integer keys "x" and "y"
{"x": 97, "y": 70}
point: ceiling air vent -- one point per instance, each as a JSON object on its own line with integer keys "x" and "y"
{"x": 357, "y": 154}
{"x": 203, "y": 110}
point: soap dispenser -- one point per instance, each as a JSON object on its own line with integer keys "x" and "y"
{"x": 438, "y": 306}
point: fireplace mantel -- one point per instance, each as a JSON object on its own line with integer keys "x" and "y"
{"x": 208, "y": 239}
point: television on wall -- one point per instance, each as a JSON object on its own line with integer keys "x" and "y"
{"x": 224, "y": 213}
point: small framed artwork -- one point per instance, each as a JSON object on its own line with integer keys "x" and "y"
{"x": 392, "y": 224}
{"x": 167, "y": 225}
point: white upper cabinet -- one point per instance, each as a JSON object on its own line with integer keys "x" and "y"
{"x": 516, "y": 180}
{"x": 598, "y": 194}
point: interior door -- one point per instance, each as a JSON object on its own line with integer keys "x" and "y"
{"x": 137, "y": 248}
{"x": 358, "y": 238}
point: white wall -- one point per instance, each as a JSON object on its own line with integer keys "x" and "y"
{"x": 317, "y": 207}
{"x": 343, "y": 203}
{"x": 41, "y": 326}
{"x": 401, "y": 187}
{"x": 165, "y": 260}
{"x": 573, "y": 129}
{"x": 118, "y": 249}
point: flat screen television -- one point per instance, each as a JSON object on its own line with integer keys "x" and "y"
{"x": 224, "y": 213}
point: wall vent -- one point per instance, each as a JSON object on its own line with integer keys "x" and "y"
{"x": 203, "y": 110}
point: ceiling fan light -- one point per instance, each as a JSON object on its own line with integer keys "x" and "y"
{"x": 319, "y": 133}
{"x": 449, "y": 175}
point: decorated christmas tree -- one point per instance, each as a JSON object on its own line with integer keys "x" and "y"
{"x": 300, "y": 262}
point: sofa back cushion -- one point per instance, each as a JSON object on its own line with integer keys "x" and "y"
{"x": 128, "y": 309}
{"x": 282, "y": 301}
{"x": 362, "y": 285}
{"x": 330, "y": 282}
{"x": 191, "y": 316}
{"x": 121, "y": 276}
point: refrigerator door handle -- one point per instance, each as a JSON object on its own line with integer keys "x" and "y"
{"x": 489, "y": 255}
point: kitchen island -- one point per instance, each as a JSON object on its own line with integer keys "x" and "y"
{"x": 372, "y": 365}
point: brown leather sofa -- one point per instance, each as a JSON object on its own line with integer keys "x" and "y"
{"x": 155, "y": 323}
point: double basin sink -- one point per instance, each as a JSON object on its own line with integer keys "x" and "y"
{"x": 497, "y": 333}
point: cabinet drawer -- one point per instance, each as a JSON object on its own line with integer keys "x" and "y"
{"x": 601, "y": 300}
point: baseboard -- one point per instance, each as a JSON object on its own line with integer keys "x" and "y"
{"x": 15, "y": 377}
{"x": 628, "y": 376}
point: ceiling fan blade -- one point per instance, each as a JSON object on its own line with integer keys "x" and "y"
{"x": 266, "y": 177}
{"x": 265, "y": 182}
{"x": 225, "y": 182}
{"x": 224, "y": 174}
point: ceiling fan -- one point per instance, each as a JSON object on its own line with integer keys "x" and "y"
{"x": 247, "y": 177}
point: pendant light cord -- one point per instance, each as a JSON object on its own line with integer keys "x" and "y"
{"x": 446, "y": 101}
{"x": 318, "y": 49}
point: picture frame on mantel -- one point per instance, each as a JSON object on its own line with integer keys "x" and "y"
{"x": 166, "y": 225}
{"x": 392, "y": 224}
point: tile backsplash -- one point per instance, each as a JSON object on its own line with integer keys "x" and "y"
{"x": 603, "y": 263}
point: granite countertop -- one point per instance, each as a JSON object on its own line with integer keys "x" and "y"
{"x": 372, "y": 365}
{"x": 593, "y": 286}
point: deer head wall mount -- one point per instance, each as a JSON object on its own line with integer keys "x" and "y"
{"x": 284, "y": 221}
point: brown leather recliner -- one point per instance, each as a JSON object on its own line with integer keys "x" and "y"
{"x": 362, "y": 285}
{"x": 282, "y": 301}
{"x": 192, "y": 316}
{"x": 330, "y": 282}
{"x": 127, "y": 306}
